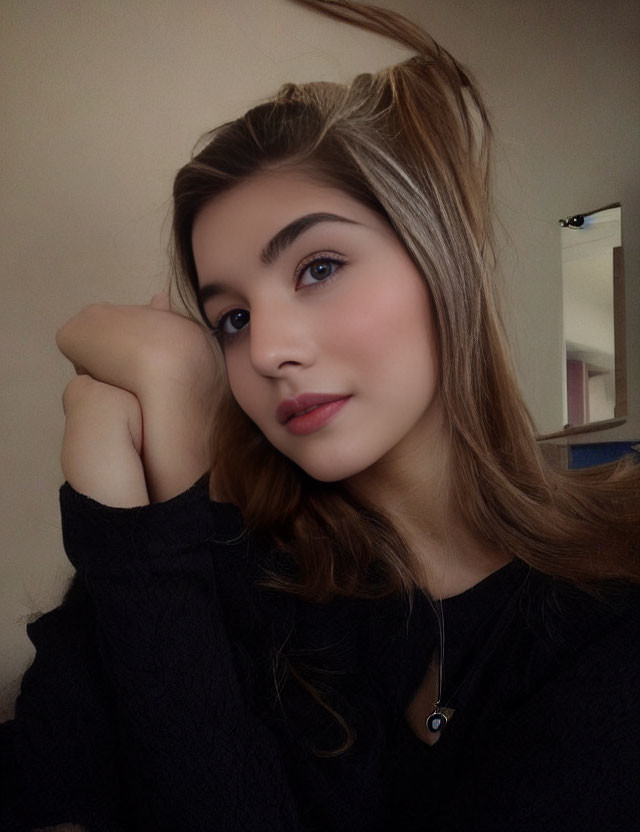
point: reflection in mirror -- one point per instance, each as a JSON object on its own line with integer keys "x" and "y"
{"x": 593, "y": 304}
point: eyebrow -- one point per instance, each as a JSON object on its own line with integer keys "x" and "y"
{"x": 279, "y": 243}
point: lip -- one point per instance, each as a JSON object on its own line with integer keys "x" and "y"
{"x": 296, "y": 408}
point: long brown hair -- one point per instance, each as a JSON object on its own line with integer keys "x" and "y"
{"x": 413, "y": 143}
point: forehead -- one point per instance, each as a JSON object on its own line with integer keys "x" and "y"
{"x": 249, "y": 214}
{"x": 275, "y": 192}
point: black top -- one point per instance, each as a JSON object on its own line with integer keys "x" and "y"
{"x": 151, "y": 701}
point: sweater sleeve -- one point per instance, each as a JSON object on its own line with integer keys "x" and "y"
{"x": 196, "y": 749}
{"x": 190, "y": 747}
{"x": 58, "y": 755}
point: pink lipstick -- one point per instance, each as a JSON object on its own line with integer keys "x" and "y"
{"x": 309, "y": 412}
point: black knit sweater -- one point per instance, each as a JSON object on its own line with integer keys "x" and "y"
{"x": 151, "y": 703}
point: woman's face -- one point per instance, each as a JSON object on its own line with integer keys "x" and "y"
{"x": 324, "y": 321}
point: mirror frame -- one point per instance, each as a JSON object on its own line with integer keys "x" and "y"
{"x": 620, "y": 357}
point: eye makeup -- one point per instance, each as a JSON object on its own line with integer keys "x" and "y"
{"x": 242, "y": 316}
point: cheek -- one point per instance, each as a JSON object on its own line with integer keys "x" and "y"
{"x": 393, "y": 329}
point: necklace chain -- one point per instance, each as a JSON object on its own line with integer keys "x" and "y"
{"x": 437, "y": 720}
{"x": 439, "y": 717}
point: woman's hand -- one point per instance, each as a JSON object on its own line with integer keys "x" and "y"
{"x": 136, "y": 348}
{"x": 166, "y": 361}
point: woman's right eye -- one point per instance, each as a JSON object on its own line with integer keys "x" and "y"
{"x": 231, "y": 323}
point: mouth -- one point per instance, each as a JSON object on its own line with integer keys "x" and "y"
{"x": 304, "y": 403}
{"x": 309, "y": 411}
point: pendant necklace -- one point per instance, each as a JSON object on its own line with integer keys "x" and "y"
{"x": 440, "y": 716}
{"x": 437, "y": 720}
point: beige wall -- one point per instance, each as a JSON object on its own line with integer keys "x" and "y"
{"x": 104, "y": 102}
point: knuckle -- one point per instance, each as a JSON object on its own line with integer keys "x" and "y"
{"x": 77, "y": 387}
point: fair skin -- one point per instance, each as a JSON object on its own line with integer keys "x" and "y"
{"x": 341, "y": 310}
{"x": 337, "y": 309}
{"x": 137, "y": 364}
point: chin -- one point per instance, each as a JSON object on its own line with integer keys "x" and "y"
{"x": 325, "y": 475}
{"x": 330, "y": 470}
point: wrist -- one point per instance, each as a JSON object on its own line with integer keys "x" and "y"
{"x": 176, "y": 446}
{"x": 102, "y": 440}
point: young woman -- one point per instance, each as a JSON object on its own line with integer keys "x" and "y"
{"x": 377, "y": 607}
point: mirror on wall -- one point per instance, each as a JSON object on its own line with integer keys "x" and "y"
{"x": 593, "y": 315}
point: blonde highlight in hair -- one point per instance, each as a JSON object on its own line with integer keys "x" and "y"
{"x": 411, "y": 142}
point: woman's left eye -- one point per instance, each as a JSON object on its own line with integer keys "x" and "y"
{"x": 319, "y": 270}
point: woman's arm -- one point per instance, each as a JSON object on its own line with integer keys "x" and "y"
{"x": 193, "y": 745}
{"x": 166, "y": 362}
{"x": 193, "y": 748}
{"x": 102, "y": 443}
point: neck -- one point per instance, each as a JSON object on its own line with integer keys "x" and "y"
{"x": 446, "y": 558}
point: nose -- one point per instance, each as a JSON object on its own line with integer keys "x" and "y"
{"x": 280, "y": 339}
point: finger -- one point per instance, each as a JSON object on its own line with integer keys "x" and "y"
{"x": 160, "y": 301}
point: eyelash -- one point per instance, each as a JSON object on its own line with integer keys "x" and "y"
{"x": 217, "y": 327}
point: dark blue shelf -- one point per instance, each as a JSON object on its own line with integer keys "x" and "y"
{"x": 585, "y": 456}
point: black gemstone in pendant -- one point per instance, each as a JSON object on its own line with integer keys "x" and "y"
{"x": 436, "y": 722}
